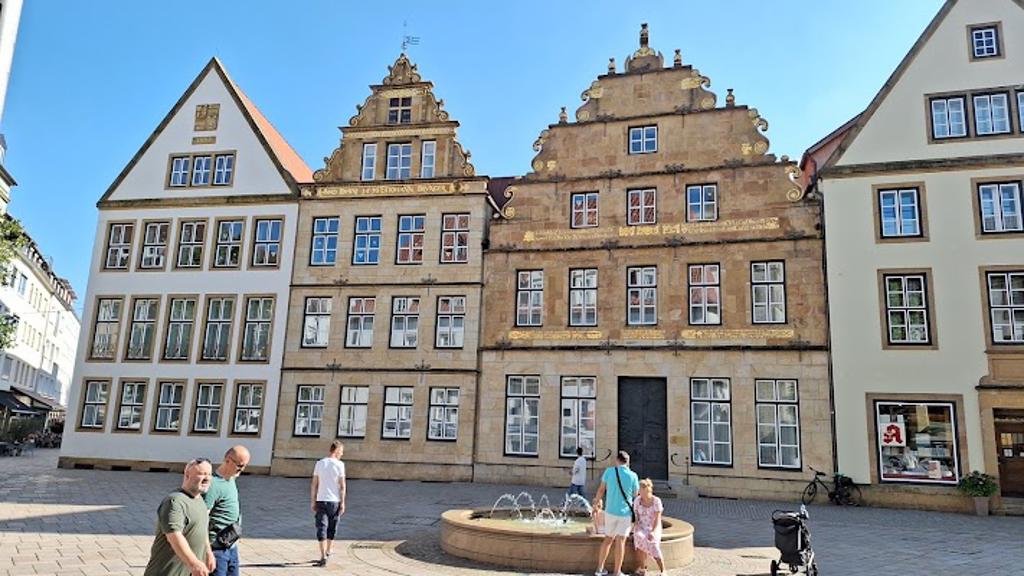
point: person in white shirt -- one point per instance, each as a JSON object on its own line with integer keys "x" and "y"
{"x": 327, "y": 498}
{"x": 579, "y": 475}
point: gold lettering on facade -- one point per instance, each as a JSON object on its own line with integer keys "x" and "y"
{"x": 742, "y": 334}
{"x": 555, "y": 335}
{"x": 204, "y": 140}
{"x": 207, "y": 116}
{"x": 383, "y": 190}
{"x": 643, "y": 334}
{"x": 403, "y": 92}
{"x": 663, "y": 230}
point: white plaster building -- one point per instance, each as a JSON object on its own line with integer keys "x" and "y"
{"x": 188, "y": 292}
{"x": 925, "y": 257}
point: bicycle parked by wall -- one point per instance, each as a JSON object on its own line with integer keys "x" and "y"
{"x": 842, "y": 492}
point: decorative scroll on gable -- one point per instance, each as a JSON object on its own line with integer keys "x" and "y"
{"x": 402, "y": 72}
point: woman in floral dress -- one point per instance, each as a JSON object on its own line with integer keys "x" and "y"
{"x": 647, "y": 530}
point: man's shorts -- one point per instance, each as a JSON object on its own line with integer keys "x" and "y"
{"x": 617, "y": 525}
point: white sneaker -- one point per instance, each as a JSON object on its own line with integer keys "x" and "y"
{"x": 601, "y": 573}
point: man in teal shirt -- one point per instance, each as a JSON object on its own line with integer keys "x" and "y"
{"x": 620, "y": 485}
{"x": 222, "y": 501}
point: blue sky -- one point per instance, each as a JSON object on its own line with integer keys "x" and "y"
{"x": 91, "y": 80}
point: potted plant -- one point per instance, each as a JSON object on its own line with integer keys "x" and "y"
{"x": 979, "y": 486}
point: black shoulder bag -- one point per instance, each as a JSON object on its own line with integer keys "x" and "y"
{"x": 632, "y": 513}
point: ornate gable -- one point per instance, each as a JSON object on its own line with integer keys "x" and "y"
{"x": 401, "y": 110}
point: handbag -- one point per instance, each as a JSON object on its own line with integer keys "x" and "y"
{"x": 227, "y": 536}
{"x": 632, "y": 512}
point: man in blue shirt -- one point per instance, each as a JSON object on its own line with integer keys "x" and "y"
{"x": 621, "y": 486}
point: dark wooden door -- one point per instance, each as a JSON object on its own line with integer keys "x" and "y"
{"x": 1010, "y": 447}
{"x": 643, "y": 426}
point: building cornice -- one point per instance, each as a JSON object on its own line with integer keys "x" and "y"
{"x": 197, "y": 201}
{"x": 926, "y": 165}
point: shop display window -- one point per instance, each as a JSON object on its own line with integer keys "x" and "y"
{"x": 917, "y": 442}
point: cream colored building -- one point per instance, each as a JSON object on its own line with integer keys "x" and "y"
{"x": 925, "y": 256}
{"x": 185, "y": 310}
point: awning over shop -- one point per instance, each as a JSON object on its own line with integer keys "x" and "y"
{"x": 12, "y": 404}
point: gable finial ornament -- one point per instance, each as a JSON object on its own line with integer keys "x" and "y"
{"x": 402, "y": 72}
{"x": 611, "y": 65}
{"x": 677, "y": 60}
{"x": 730, "y": 99}
{"x": 644, "y": 49}
{"x": 563, "y": 116}
{"x": 645, "y": 58}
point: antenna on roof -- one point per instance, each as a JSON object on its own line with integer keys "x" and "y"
{"x": 408, "y": 40}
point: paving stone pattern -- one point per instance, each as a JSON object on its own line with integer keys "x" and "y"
{"x": 86, "y": 522}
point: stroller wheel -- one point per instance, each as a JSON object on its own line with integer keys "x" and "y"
{"x": 775, "y": 568}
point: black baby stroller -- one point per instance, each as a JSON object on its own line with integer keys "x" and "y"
{"x": 793, "y": 540}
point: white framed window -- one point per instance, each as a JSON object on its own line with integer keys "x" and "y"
{"x": 410, "y": 239}
{"x": 530, "y": 298}
{"x": 154, "y": 245}
{"x": 711, "y": 421}
{"x": 405, "y": 321}
{"x": 228, "y": 247}
{"x": 578, "y": 416}
{"x": 583, "y": 297}
{"x": 309, "y": 411}
{"x": 352, "y": 411}
{"x": 119, "y": 246}
{"x": 369, "y": 168}
{"x": 397, "y": 412}
{"x": 1006, "y": 306}
{"x": 906, "y": 308}
{"x": 949, "y": 117}
{"x": 454, "y": 238}
{"x": 899, "y": 212}
{"x": 191, "y": 239}
{"x": 209, "y": 398}
{"x": 259, "y": 317}
{"x": 642, "y": 207}
{"x": 316, "y": 323}
{"x": 142, "y": 331}
{"x": 643, "y": 139}
{"x": 359, "y": 331}
{"x": 367, "y": 240}
{"x": 705, "y": 287}
{"x": 522, "y": 415}
{"x": 201, "y": 166}
{"x": 428, "y": 151}
{"x": 985, "y": 41}
{"x": 324, "y": 249}
{"x": 992, "y": 114}
{"x": 451, "y": 322}
{"x": 642, "y": 295}
{"x": 443, "y": 423}
{"x": 702, "y": 203}
{"x": 94, "y": 408}
{"x": 1020, "y": 111}
{"x": 266, "y": 250}
{"x": 133, "y": 402}
{"x": 917, "y": 442}
{"x": 778, "y": 423}
{"x": 399, "y": 161}
{"x": 1000, "y": 204}
{"x": 223, "y": 169}
{"x": 180, "y": 320}
{"x": 768, "y": 292}
{"x": 217, "y": 336}
{"x": 400, "y": 110}
{"x": 584, "y": 210}
{"x": 107, "y": 329}
{"x": 181, "y": 168}
{"x": 168, "y": 407}
{"x": 248, "y": 408}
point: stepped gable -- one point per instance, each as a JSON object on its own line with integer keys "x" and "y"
{"x": 698, "y": 133}
{"x": 373, "y": 122}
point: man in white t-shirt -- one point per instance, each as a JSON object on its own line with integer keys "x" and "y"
{"x": 579, "y": 475}
{"x": 327, "y": 498}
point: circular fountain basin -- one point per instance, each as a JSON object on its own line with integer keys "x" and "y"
{"x": 543, "y": 546}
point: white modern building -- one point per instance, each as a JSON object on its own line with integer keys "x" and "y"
{"x": 188, "y": 291}
{"x": 925, "y": 258}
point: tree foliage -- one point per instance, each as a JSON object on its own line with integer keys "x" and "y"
{"x": 12, "y": 240}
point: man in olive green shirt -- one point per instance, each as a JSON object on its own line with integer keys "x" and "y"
{"x": 181, "y": 528}
{"x": 222, "y": 500}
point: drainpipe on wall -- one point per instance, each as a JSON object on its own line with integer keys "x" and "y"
{"x": 828, "y": 325}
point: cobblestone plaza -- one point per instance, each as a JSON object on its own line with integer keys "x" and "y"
{"x": 90, "y": 522}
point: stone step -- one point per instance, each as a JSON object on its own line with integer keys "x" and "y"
{"x": 1011, "y": 507}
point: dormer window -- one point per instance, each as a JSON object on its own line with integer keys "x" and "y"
{"x": 400, "y": 111}
{"x": 643, "y": 139}
{"x": 985, "y": 41}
